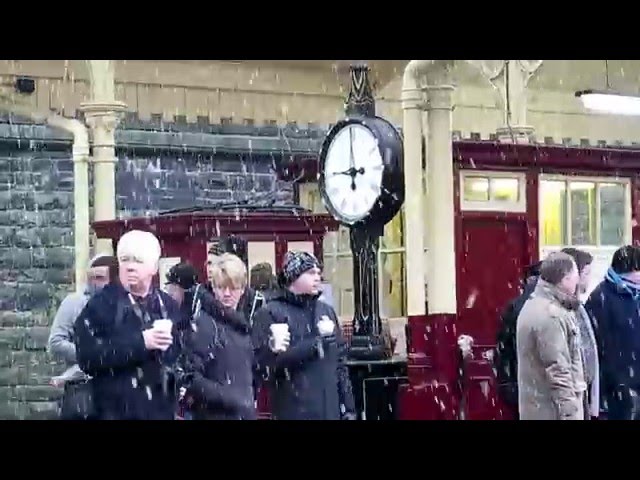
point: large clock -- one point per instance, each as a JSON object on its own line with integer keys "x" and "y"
{"x": 361, "y": 179}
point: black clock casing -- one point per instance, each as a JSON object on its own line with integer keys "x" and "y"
{"x": 391, "y": 150}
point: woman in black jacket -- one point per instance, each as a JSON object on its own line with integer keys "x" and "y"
{"x": 218, "y": 358}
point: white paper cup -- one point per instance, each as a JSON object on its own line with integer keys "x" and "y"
{"x": 279, "y": 331}
{"x": 164, "y": 325}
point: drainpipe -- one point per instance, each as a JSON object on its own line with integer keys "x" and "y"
{"x": 412, "y": 106}
{"x": 80, "y": 192}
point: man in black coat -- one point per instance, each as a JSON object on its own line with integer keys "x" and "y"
{"x": 129, "y": 357}
{"x": 506, "y": 362}
{"x": 218, "y": 354}
{"x": 307, "y": 379}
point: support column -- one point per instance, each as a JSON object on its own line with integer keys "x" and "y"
{"x": 509, "y": 79}
{"x": 441, "y": 253}
{"x": 441, "y": 247}
{"x": 102, "y": 115}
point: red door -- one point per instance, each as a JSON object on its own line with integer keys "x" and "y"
{"x": 491, "y": 262}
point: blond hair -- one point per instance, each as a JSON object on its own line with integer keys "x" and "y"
{"x": 228, "y": 271}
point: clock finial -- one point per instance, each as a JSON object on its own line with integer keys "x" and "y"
{"x": 360, "y": 100}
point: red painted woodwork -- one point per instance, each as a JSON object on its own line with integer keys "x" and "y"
{"x": 185, "y": 235}
{"x": 490, "y": 249}
{"x": 432, "y": 390}
{"x": 492, "y": 260}
{"x": 483, "y": 291}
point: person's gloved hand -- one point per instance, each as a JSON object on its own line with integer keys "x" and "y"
{"x": 327, "y": 330}
{"x": 349, "y": 416}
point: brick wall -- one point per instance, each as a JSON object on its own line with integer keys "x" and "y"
{"x": 155, "y": 171}
{"x": 36, "y": 268}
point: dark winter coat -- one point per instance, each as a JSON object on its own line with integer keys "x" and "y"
{"x": 616, "y": 317}
{"x": 219, "y": 363}
{"x": 506, "y": 355}
{"x": 309, "y": 381}
{"x": 250, "y": 302}
{"x": 129, "y": 381}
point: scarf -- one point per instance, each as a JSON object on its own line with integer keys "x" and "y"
{"x": 623, "y": 284}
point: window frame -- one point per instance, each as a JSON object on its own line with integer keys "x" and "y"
{"x": 597, "y": 180}
{"x": 491, "y": 205}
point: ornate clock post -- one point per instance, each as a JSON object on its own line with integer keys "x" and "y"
{"x": 365, "y": 239}
{"x": 362, "y": 185}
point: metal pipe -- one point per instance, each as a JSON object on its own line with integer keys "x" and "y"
{"x": 80, "y": 192}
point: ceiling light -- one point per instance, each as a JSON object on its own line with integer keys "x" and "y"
{"x": 607, "y": 101}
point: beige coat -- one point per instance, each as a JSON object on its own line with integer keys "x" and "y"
{"x": 550, "y": 375}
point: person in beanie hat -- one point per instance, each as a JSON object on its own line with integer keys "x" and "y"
{"x": 614, "y": 306}
{"x": 304, "y": 367}
{"x": 181, "y": 278}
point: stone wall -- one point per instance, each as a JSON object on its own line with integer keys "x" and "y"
{"x": 156, "y": 171}
{"x": 36, "y": 268}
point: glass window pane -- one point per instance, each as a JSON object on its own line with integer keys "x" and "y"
{"x": 476, "y": 189}
{"x": 505, "y": 189}
{"x": 612, "y": 217}
{"x": 329, "y": 269}
{"x": 553, "y": 213}
{"x": 344, "y": 243}
{"x": 330, "y": 242}
{"x": 342, "y": 285}
{"x": 391, "y": 278}
{"x": 583, "y": 213}
{"x": 393, "y": 233}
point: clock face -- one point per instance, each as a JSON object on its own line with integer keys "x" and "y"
{"x": 353, "y": 172}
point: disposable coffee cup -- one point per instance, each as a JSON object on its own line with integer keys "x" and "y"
{"x": 279, "y": 331}
{"x": 164, "y": 325}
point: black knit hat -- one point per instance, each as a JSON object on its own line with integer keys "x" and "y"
{"x": 294, "y": 265}
{"x": 183, "y": 274}
{"x": 626, "y": 259}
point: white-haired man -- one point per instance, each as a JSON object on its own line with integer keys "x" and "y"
{"x": 129, "y": 355}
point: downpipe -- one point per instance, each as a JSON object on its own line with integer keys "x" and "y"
{"x": 80, "y": 154}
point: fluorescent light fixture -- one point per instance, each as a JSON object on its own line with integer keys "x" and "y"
{"x": 607, "y": 101}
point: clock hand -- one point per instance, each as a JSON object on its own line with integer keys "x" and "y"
{"x": 352, "y": 160}
{"x": 352, "y": 172}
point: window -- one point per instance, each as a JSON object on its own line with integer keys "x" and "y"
{"x": 338, "y": 262}
{"x": 493, "y": 191}
{"x": 584, "y": 212}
